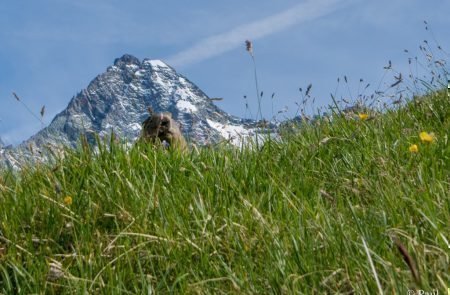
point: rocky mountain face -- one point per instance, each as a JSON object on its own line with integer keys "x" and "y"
{"x": 117, "y": 101}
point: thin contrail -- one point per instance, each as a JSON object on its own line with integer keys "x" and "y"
{"x": 221, "y": 43}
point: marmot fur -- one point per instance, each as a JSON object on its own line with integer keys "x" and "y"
{"x": 161, "y": 128}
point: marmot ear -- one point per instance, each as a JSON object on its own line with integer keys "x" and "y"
{"x": 146, "y": 121}
{"x": 168, "y": 114}
{"x": 150, "y": 110}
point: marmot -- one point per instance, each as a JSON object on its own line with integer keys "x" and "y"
{"x": 161, "y": 128}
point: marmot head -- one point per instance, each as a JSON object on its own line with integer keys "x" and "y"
{"x": 161, "y": 126}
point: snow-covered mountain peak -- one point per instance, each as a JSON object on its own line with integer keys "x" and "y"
{"x": 117, "y": 101}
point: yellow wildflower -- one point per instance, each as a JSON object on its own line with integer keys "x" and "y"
{"x": 427, "y": 137}
{"x": 68, "y": 200}
{"x": 414, "y": 148}
{"x": 363, "y": 116}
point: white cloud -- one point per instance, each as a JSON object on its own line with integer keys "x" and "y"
{"x": 221, "y": 43}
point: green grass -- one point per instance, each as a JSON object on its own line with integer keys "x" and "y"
{"x": 307, "y": 215}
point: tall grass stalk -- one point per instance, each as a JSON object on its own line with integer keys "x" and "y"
{"x": 40, "y": 119}
{"x": 249, "y": 47}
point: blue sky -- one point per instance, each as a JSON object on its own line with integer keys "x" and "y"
{"x": 51, "y": 49}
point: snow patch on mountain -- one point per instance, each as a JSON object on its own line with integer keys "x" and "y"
{"x": 156, "y": 63}
{"x": 184, "y": 105}
{"x": 237, "y": 134}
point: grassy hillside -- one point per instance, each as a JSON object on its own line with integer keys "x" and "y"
{"x": 355, "y": 205}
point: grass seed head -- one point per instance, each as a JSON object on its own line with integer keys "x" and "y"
{"x": 249, "y": 46}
